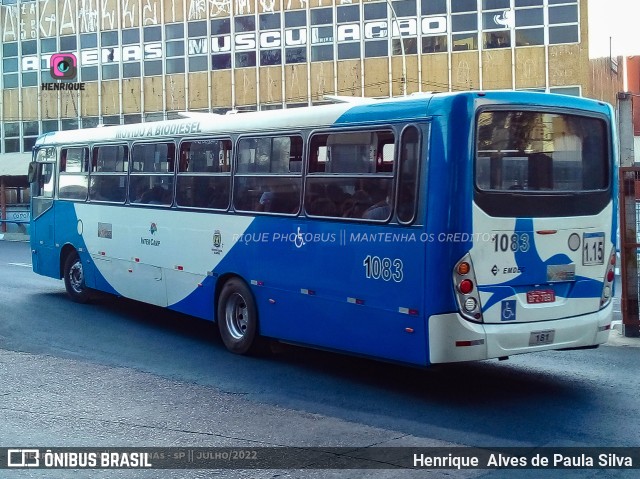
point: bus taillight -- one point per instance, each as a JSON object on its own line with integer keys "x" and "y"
{"x": 464, "y": 280}
{"x": 609, "y": 276}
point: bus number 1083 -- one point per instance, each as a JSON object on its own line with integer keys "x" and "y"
{"x": 382, "y": 268}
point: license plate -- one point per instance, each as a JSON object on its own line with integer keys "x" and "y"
{"x": 541, "y": 337}
{"x": 541, "y": 296}
{"x": 592, "y": 248}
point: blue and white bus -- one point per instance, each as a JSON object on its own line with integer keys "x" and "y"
{"x": 425, "y": 229}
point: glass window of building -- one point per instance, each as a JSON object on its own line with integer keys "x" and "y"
{"x": 132, "y": 119}
{"x": 563, "y": 14}
{"x": 10, "y": 81}
{"x": 174, "y": 49}
{"x": 12, "y": 145}
{"x": 321, "y": 16}
{"x": 69, "y": 124}
{"x": 174, "y": 30}
{"x": 434, "y": 44}
{"x": 109, "y": 72}
{"x": 295, "y": 18}
{"x": 130, "y": 36}
{"x": 174, "y": 65}
{"x": 28, "y": 143}
{"x": 11, "y": 129}
{"x": 376, "y": 48}
{"x": 321, "y": 53}
{"x": 528, "y": 3}
{"x": 526, "y": 37}
{"x": 131, "y": 70}
{"x": 348, "y": 14}
{"x": 90, "y": 121}
{"x": 465, "y": 41}
{"x": 528, "y": 17}
{"x": 349, "y": 50}
{"x": 563, "y": 34}
{"x": 296, "y": 55}
{"x": 88, "y": 40}
{"x": 30, "y": 128}
{"x": 109, "y": 39}
{"x": 111, "y": 120}
{"x": 29, "y": 79}
{"x": 497, "y": 39}
{"x": 88, "y": 73}
{"x": 50, "y": 125}
{"x": 495, "y": 4}
{"x": 10, "y": 65}
{"x": 270, "y": 57}
{"x": 270, "y": 21}
{"x": 152, "y": 68}
{"x": 197, "y": 29}
{"x": 245, "y": 59}
{"x": 246, "y": 23}
{"x": 30, "y": 47}
{"x": 48, "y": 45}
{"x": 152, "y": 34}
{"x": 434, "y": 7}
{"x": 405, "y": 8}
{"x": 221, "y": 61}
{"x": 68, "y": 43}
{"x": 10, "y": 49}
{"x": 220, "y": 26}
{"x": 458, "y": 6}
{"x": 375, "y": 11}
{"x": 198, "y": 63}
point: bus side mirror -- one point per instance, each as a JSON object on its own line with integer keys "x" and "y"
{"x": 33, "y": 168}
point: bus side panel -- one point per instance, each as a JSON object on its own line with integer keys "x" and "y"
{"x": 310, "y": 282}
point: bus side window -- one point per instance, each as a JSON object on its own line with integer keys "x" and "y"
{"x": 408, "y": 174}
{"x": 264, "y": 180}
{"x": 108, "y": 180}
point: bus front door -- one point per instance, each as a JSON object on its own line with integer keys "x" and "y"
{"x": 43, "y": 249}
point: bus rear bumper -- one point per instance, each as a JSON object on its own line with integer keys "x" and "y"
{"x": 454, "y": 339}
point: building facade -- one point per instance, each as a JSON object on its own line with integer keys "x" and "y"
{"x": 148, "y": 60}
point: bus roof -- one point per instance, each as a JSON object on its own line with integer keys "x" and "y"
{"x": 358, "y": 111}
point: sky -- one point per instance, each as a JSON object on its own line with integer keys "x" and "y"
{"x": 618, "y": 19}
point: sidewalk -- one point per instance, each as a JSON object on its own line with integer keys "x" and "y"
{"x": 14, "y": 237}
{"x": 617, "y": 339}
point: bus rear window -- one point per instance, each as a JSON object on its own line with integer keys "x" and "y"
{"x": 540, "y": 152}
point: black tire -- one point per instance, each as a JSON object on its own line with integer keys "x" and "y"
{"x": 238, "y": 318}
{"x": 74, "y": 283}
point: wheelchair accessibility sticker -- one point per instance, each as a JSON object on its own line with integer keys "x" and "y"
{"x": 508, "y": 310}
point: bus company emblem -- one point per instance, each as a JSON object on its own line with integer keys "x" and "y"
{"x": 217, "y": 242}
{"x": 153, "y": 228}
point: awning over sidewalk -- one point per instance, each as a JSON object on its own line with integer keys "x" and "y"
{"x": 14, "y": 169}
{"x": 14, "y": 164}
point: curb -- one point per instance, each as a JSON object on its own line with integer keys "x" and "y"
{"x": 617, "y": 339}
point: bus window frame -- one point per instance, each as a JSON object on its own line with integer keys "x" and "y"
{"x": 293, "y": 175}
{"x": 133, "y": 174}
{"x": 383, "y": 127}
{"x": 539, "y": 204}
{"x": 422, "y": 142}
{"x": 93, "y": 163}
{"x": 204, "y": 174}
{"x": 85, "y": 173}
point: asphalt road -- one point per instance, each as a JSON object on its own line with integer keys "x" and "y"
{"x": 119, "y": 373}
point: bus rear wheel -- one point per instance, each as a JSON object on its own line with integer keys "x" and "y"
{"x": 238, "y": 318}
{"x": 74, "y": 281}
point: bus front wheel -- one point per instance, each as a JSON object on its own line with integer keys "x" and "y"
{"x": 74, "y": 281}
{"x": 238, "y": 318}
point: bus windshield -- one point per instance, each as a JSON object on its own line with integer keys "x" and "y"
{"x": 537, "y": 152}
